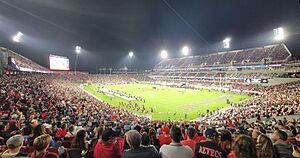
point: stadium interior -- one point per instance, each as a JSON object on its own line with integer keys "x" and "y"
{"x": 241, "y": 103}
{"x": 265, "y": 73}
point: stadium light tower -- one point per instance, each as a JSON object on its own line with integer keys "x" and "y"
{"x": 164, "y": 54}
{"x": 77, "y": 51}
{"x": 130, "y": 54}
{"x": 279, "y": 34}
{"x": 226, "y": 42}
{"x": 185, "y": 50}
{"x": 17, "y": 38}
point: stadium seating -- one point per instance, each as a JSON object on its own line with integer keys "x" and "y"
{"x": 273, "y": 54}
{"x": 24, "y": 62}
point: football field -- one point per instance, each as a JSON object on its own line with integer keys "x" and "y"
{"x": 161, "y": 102}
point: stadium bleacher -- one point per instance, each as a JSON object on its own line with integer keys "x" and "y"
{"x": 22, "y": 62}
{"x": 273, "y": 53}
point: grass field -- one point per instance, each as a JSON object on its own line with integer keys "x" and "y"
{"x": 166, "y": 99}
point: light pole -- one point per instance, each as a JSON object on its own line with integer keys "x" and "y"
{"x": 279, "y": 34}
{"x": 17, "y": 38}
{"x": 164, "y": 54}
{"x": 77, "y": 51}
{"x": 130, "y": 56}
{"x": 185, "y": 50}
{"x": 226, "y": 43}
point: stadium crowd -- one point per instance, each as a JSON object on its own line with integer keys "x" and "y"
{"x": 50, "y": 116}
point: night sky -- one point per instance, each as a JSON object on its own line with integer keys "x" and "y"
{"x": 108, "y": 29}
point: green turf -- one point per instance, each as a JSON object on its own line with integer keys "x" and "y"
{"x": 166, "y": 99}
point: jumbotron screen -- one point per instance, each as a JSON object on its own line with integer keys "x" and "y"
{"x": 58, "y": 62}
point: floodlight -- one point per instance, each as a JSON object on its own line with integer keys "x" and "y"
{"x": 130, "y": 54}
{"x": 185, "y": 50}
{"x": 164, "y": 54}
{"x": 78, "y": 49}
{"x": 279, "y": 34}
{"x": 17, "y": 37}
{"x": 226, "y": 42}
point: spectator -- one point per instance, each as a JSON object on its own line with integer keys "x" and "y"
{"x": 12, "y": 127}
{"x": 255, "y": 134}
{"x": 199, "y": 137}
{"x": 61, "y": 132}
{"x": 4, "y": 135}
{"x": 40, "y": 145}
{"x": 98, "y": 134}
{"x": 165, "y": 138}
{"x": 108, "y": 147}
{"x": 244, "y": 147}
{"x": 265, "y": 148}
{"x": 71, "y": 132}
{"x": 145, "y": 139}
{"x": 99, "y": 131}
{"x": 37, "y": 131}
{"x": 34, "y": 123}
{"x": 210, "y": 148}
{"x": 282, "y": 145}
{"x": 226, "y": 140}
{"x": 14, "y": 145}
{"x": 190, "y": 139}
{"x": 79, "y": 141}
{"x": 153, "y": 138}
{"x": 134, "y": 139}
{"x": 27, "y": 132}
{"x": 176, "y": 149}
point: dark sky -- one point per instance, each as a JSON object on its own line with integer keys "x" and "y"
{"x": 108, "y": 29}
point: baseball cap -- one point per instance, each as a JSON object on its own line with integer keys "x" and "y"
{"x": 14, "y": 141}
{"x": 210, "y": 132}
{"x": 107, "y": 134}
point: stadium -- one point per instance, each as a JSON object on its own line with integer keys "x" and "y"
{"x": 216, "y": 99}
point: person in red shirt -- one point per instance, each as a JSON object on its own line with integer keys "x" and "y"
{"x": 229, "y": 123}
{"x": 165, "y": 137}
{"x": 61, "y": 132}
{"x": 199, "y": 137}
{"x": 226, "y": 140}
{"x": 108, "y": 146}
{"x": 190, "y": 142}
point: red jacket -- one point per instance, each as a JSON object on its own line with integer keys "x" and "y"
{"x": 199, "y": 138}
{"x": 107, "y": 151}
{"x": 164, "y": 140}
{"x": 190, "y": 143}
{"x": 60, "y": 133}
